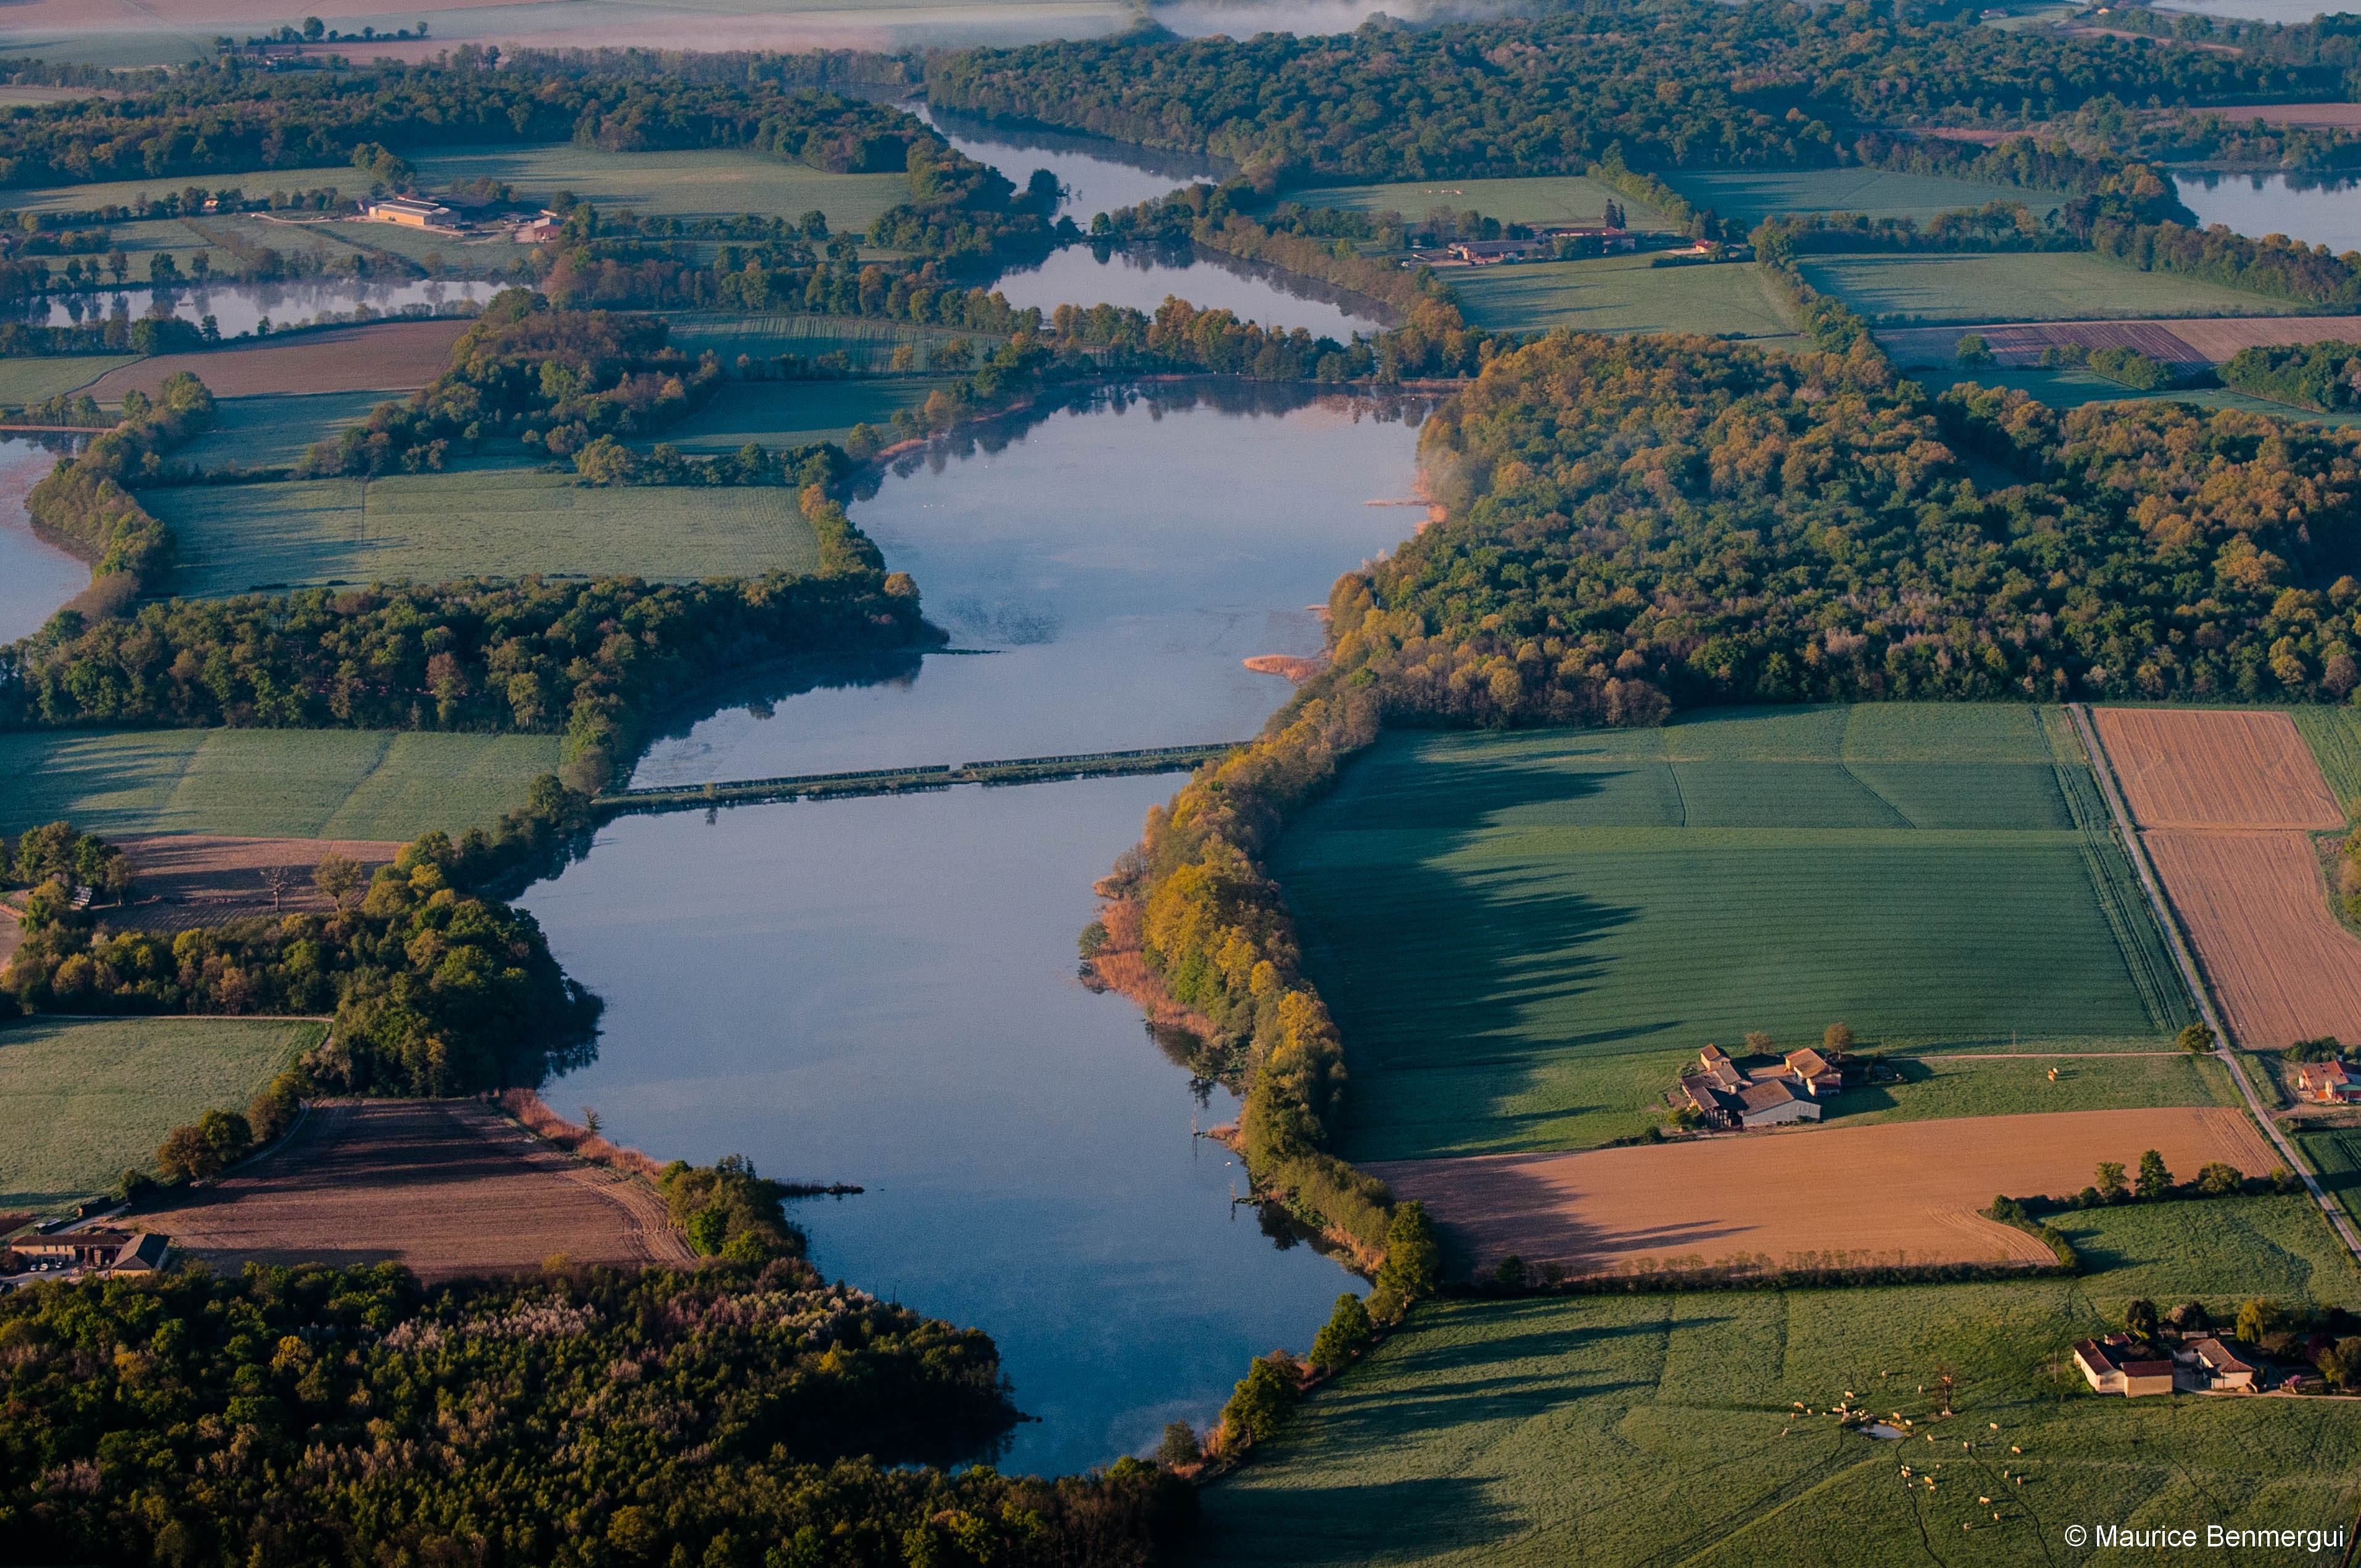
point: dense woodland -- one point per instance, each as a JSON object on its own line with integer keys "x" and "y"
{"x": 1684, "y": 83}
{"x": 2324, "y": 375}
{"x": 732, "y": 1418}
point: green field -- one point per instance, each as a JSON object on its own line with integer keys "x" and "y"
{"x": 274, "y": 432}
{"x": 2335, "y": 1156}
{"x": 1552, "y": 199}
{"x": 495, "y": 523}
{"x": 870, "y": 345}
{"x": 84, "y": 1101}
{"x": 2071, "y": 286}
{"x": 1520, "y": 935}
{"x": 2071, "y": 388}
{"x": 1664, "y": 1429}
{"x": 341, "y": 177}
{"x": 268, "y": 784}
{"x": 2334, "y": 736}
{"x": 1750, "y": 195}
{"x": 795, "y": 413}
{"x": 1621, "y": 293}
{"x": 678, "y": 185}
{"x": 1936, "y": 1086}
{"x": 30, "y": 380}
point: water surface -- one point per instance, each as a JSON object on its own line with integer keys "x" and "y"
{"x": 882, "y": 991}
{"x": 2322, "y": 212}
{"x": 35, "y": 576}
{"x": 1142, "y": 277}
{"x": 1096, "y": 174}
{"x": 238, "y": 307}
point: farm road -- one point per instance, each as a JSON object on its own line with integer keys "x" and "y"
{"x": 444, "y": 1186}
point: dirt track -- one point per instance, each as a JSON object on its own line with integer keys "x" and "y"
{"x": 445, "y": 1186}
{"x": 1890, "y": 1192}
{"x": 385, "y": 357}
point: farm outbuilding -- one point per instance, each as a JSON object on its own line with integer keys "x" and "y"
{"x": 2118, "y": 1364}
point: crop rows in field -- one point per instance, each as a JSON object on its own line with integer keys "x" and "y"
{"x": 1616, "y": 1429}
{"x": 1520, "y": 934}
{"x": 267, "y": 784}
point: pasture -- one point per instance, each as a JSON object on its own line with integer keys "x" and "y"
{"x": 492, "y": 523}
{"x": 870, "y": 345}
{"x": 795, "y": 413}
{"x": 2067, "y": 286}
{"x": 274, "y": 432}
{"x": 1911, "y": 1193}
{"x": 1667, "y": 1428}
{"x": 1549, "y": 199}
{"x": 267, "y": 784}
{"x": 1752, "y": 196}
{"x": 1520, "y": 935}
{"x": 82, "y": 1101}
{"x": 695, "y": 183}
{"x": 341, "y": 177}
{"x": 1621, "y": 294}
{"x": 32, "y": 379}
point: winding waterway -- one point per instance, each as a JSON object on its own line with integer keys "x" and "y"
{"x": 1096, "y": 175}
{"x": 238, "y": 307}
{"x": 882, "y": 991}
{"x": 35, "y": 576}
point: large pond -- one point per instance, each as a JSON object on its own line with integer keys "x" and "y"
{"x": 238, "y": 307}
{"x": 1096, "y": 175}
{"x": 2317, "y": 213}
{"x": 1143, "y": 277}
{"x": 35, "y": 576}
{"x": 882, "y": 991}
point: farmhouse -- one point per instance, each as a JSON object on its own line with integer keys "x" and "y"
{"x": 1814, "y": 1073}
{"x": 2210, "y": 1364}
{"x": 1592, "y": 239}
{"x": 545, "y": 227}
{"x": 1491, "y": 252}
{"x": 126, "y": 1252}
{"x": 411, "y": 213}
{"x": 2118, "y": 1365}
{"x": 1771, "y": 1102}
{"x": 2327, "y": 1083}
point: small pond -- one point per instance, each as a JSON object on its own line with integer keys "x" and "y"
{"x": 2302, "y": 207}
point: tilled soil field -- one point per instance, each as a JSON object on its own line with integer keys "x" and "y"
{"x": 1896, "y": 1192}
{"x": 388, "y": 356}
{"x": 2215, "y": 768}
{"x": 2205, "y": 340}
{"x": 193, "y": 878}
{"x": 2253, "y": 903}
{"x": 444, "y": 1186}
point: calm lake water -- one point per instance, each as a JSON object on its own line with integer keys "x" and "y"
{"x": 1144, "y": 277}
{"x": 882, "y": 991}
{"x": 2257, "y": 205}
{"x": 35, "y": 576}
{"x": 238, "y": 307}
{"x": 1098, "y": 175}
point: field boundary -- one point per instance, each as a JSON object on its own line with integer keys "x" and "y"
{"x": 2076, "y": 785}
{"x": 2102, "y": 770}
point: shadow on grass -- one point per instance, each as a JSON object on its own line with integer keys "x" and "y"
{"x": 1314, "y": 1526}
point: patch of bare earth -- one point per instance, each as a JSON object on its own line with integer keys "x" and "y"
{"x": 444, "y": 1186}
{"x": 1891, "y": 1193}
{"x": 2226, "y": 803}
{"x": 388, "y": 356}
{"x": 191, "y": 880}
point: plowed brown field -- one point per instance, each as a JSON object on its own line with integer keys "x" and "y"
{"x": 2187, "y": 768}
{"x": 2282, "y": 967}
{"x": 197, "y": 878}
{"x": 1892, "y": 1192}
{"x": 389, "y": 356}
{"x": 444, "y": 1186}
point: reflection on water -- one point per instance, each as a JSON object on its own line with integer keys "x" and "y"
{"x": 1097, "y": 175}
{"x": 35, "y": 576}
{"x": 882, "y": 990}
{"x": 2302, "y": 207}
{"x": 1245, "y": 18}
{"x": 1117, "y": 558}
{"x": 1142, "y": 276}
{"x": 238, "y": 307}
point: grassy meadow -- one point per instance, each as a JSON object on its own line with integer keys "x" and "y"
{"x": 2012, "y": 287}
{"x": 1521, "y": 935}
{"x": 870, "y": 345}
{"x": 695, "y": 183}
{"x": 1621, "y": 294}
{"x": 268, "y": 784}
{"x": 29, "y": 381}
{"x": 1545, "y": 199}
{"x": 82, "y": 1101}
{"x": 274, "y": 432}
{"x": 494, "y": 522}
{"x": 341, "y": 177}
{"x": 795, "y": 413}
{"x": 1648, "y": 1429}
{"x": 1752, "y": 196}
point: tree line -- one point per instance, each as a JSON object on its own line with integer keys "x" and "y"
{"x": 1676, "y": 84}
{"x": 739, "y": 1416}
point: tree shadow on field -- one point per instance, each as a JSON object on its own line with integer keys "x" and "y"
{"x": 1313, "y": 1526}
{"x": 1428, "y": 967}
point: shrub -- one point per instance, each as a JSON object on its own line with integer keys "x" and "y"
{"x": 1346, "y": 1333}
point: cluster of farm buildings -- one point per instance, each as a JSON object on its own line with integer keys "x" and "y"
{"x": 2122, "y": 1364}
{"x": 1796, "y": 1090}
{"x": 97, "y": 1251}
{"x": 450, "y": 216}
{"x": 1548, "y": 242}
